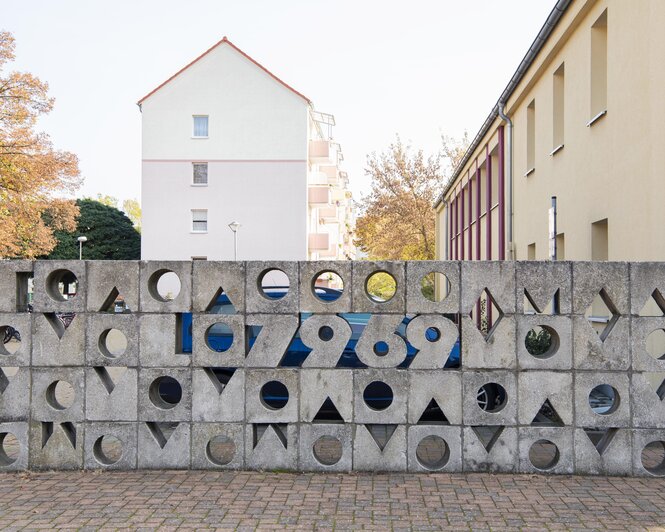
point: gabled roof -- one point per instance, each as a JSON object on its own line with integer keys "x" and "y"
{"x": 220, "y": 43}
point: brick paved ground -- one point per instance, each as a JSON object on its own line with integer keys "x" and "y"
{"x": 247, "y": 500}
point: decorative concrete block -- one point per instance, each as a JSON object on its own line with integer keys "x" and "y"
{"x": 58, "y": 340}
{"x": 504, "y": 413}
{"x": 218, "y": 394}
{"x": 8, "y": 460}
{"x": 560, "y": 352}
{"x": 164, "y": 445}
{"x": 150, "y": 298}
{"x": 15, "y": 393}
{"x": 434, "y": 336}
{"x": 218, "y": 446}
{"x": 49, "y": 278}
{"x": 646, "y": 280}
{"x": 496, "y": 351}
{"x": 364, "y": 302}
{"x": 319, "y": 385}
{"x": 110, "y": 279}
{"x": 211, "y": 278}
{"x": 498, "y": 277}
{"x": 210, "y": 331}
{"x": 58, "y": 394}
{"x": 18, "y": 329}
{"x": 158, "y": 341}
{"x": 536, "y": 387}
{"x": 648, "y": 351}
{"x": 373, "y": 404}
{"x": 446, "y": 298}
{"x": 271, "y": 446}
{"x": 326, "y": 447}
{"x": 327, "y": 336}
{"x": 111, "y": 446}
{"x": 617, "y": 412}
{"x": 379, "y": 448}
{"x": 265, "y": 391}
{"x": 646, "y": 397}
{"x": 490, "y": 449}
{"x": 540, "y": 281}
{"x": 379, "y": 345}
{"x": 276, "y": 333}
{"x": 56, "y": 445}
{"x": 14, "y": 275}
{"x": 589, "y": 278}
{"x": 105, "y": 345}
{"x": 310, "y": 301}
{"x": 443, "y": 387}
{"x": 536, "y": 458}
{"x": 591, "y": 351}
{"x": 648, "y": 462}
{"x": 267, "y": 275}
{"x": 603, "y": 451}
{"x": 111, "y": 394}
{"x": 426, "y": 452}
{"x": 162, "y": 399}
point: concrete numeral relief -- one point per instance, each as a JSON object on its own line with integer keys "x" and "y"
{"x": 533, "y": 367}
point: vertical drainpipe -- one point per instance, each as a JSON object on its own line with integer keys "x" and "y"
{"x": 470, "y": 216}
{"x": 477, "y": 211}
{"x": 461, "y": 208}
{"x": 502, "y": 197}
{"x": 456, "y": 214}
{"x": 488, "y": 204}
{"x": 509, "y": 123}
{"x": 449, "y": 230}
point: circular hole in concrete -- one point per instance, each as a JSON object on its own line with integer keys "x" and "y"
{"x": 543, "y": 455}
{"x": 326, "y": 333}
{"x": 11, "y": 340}
{"x": 435, "y": 287}
{"x": 164, "y": 285}
{"x": 112, "y": 343}
{"x": 381, "y": 349}
{"x": 220, "y": 450}
{"x": 274, "y": 395}
{"x": 328, "y": 286}
{"x": 491, "y": 397}
{"x": 327, "y": 450}
{"x": 655, "y": 344}
{"x": 604, "y": 400}
{"x": 542, "y": 342}
{"x": 380, "y": 287}
{"x": 653, "y": 458}
{"x": 219, "y": 337}
{"x": 165, "y": 392}
{"x": 378, "y": 395}
{"x": 432, "y": 452}
{"x": 107, "y": 450}
{"x": 273, "y": 284}
{"x": 60, "y": 395}
{"x": 432, "y": 334}
{"x": 61, "y": 285}
{"x": 9, "y": 449}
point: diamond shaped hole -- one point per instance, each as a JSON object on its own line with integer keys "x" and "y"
{"x": 486, "y": 314}
{"x": 602, "y": 315}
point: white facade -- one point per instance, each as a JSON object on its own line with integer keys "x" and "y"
{"x": 256, "y": 151}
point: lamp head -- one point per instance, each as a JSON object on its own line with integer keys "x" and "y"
{"x": 234, "y": 226}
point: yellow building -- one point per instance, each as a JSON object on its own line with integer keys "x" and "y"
{"x": 582, "y": 120}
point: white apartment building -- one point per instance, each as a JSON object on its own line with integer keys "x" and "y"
{"x": 225, "y": 140}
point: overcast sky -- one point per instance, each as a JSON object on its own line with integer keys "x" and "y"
{"x": 415, "y": 68}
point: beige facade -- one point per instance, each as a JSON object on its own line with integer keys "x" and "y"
{"x": 588, "y": 127}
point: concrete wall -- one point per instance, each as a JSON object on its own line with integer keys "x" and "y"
{"x": 226, "y": 423}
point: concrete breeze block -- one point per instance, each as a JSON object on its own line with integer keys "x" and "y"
{"x": 257, "y": 410}
{"x": 49, "y": 274}
{"x": 209, "y": 277}
{"x": 14, "y": 275}
{"x": 164, "y": 445}
{"x": 151, "y": 300}
{"x": 326, "y": 447}
{"x": 271, "y": 446}
{"x": 56, "y": 401}
{"x": 363, "y": 302}
{"x": 560, "y": 353}
{"x": 417, "y": 303}
{"x": 203, "y": 325}
{"x": 257, "y": 301}
{"x": 15, "y": 352}
{"x": 153, "y": 406}
{"x": 498, "y": 277}
{"x": 561, "y": 461}
{"x": 218, "y": 446}
{"x": 214, "y": 398}
{"x": 379, "y": 447}
{"x": 444, "y": 387}
{"x": 15, "y": 395}
{"x": 310, "y": 301}
{"x": 319, "y": 385}
{"x": 365, "y": 412}
{"x": 603, "y": 451}
{"x": 542, "y": 280}
{"x": 158, "y": 335}
{"x": 424, "y": 451}
{"x": 618, "y": 416}
{"x": 104, "y": 348}
{"x": 57, "y": 344}
{"x": 111, "y": 393}
{"x": 111, "y": 445}
{"x": 110, "y": 279}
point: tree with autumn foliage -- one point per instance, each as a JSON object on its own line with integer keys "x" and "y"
{"x": 34, "y": 177}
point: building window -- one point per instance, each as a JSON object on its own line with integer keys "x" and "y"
{"x": 199, "y": 221}
{"x": 558, "y": 109}
{"x": 560, "y": 246}
{"x": 599, "y": 240}
{"x": 599, "y": 68}
{"x": 531, "y": 137}
{"x": 200, "y": 127}
{"x": 200, "y": 173}
{"x": 531, "y": 251}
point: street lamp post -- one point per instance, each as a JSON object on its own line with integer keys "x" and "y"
{"x": 234, "y": 226}
{"x": 81, "y": 239}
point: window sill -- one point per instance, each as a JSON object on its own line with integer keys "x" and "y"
{"x": 199, "y": 184}
{"x": 199, "y": 137}
{"x": 556, "y": 150}
{"x": 530, "y": 171}
{"x": 596, "y": 118}
{"x": 198, "y": 232}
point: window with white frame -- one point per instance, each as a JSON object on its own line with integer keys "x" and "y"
{"x": 200, "y": 173}
{"x": 200, "y": 126}
{"x": 199, "y": 220}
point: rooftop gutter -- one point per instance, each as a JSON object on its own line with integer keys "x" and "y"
{"x": 537, "y": 45}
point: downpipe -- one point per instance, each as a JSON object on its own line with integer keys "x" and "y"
{"x": 509, "y": 172}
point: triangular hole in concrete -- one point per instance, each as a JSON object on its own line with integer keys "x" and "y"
{"x": 328, "y": 413}
{"x": 47, "y": 432}
{"x": 601, "y": 438}
{"x": 381, "y": 434}
{"x": 4, "y": 381}
{"x": 220, "y": 303}
{"x": 162, "y": 432}
{"x": 110, "y": 376}
{"x": 110, "y": 302}
{"x": 657, "y": 383}
{"x": 550, "y": 307}
{"x": 547, "y": 416}
{"x": 488, "y": 435}
{"x": 654, "y": 305}
{"x": 279, "y": 429}
{"x": 219, "y": 377}
{"x": 70, "y": 431}
{"x": 433, "y": 415}
{"x": 59, "y": 322}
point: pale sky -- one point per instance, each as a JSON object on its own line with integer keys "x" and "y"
{"x": 415, "y": 68}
